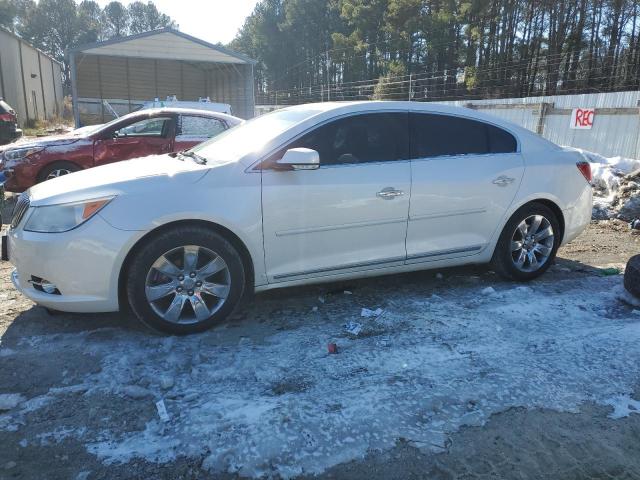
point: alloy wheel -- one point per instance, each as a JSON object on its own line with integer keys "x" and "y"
{"x": 532, "y": 243}
{"x": 188, "y": 284}
{"x": 58, "y": 172}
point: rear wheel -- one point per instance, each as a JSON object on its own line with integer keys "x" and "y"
{"x": 528, "y": 243}
{"x": 185, "y": 280}
{"x": 57, "y": 169}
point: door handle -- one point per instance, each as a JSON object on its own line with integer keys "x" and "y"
{"x": 389, "y": 193}
{"x": 503, "y": 181}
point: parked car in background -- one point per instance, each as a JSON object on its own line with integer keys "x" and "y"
{"x": 201, "y": 104}
{"x": 9, "y": 130}
{"x": 138, "y": 134}
{"x": 313, "y": 193}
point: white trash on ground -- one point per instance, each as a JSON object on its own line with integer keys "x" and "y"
{"x": 354, "y": 328}
{"x": 366, "y": 313}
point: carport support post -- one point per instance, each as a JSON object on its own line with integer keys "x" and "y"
{"x": 44, "y": 100}
{"x": 74, "y": 89}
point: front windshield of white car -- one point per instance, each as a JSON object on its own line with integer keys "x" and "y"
{"x": 251, "y": 136}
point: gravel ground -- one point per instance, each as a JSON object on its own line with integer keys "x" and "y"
{"x": 78, "y": 417}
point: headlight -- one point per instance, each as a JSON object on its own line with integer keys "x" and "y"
{"x": 63, "y": 217}
{"x": 21, "y": 153}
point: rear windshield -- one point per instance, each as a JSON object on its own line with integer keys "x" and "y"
{"x": 4, "y": 107}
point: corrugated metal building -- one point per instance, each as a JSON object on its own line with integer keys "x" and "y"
{"x": 131, "y": 70}
{"x": 615, "y": 131}
{"x": 30, "y": 80}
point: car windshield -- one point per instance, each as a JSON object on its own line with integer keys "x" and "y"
{"x": 251, "y": 136}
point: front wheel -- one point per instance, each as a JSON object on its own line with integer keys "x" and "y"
{"x": 528, "y": 243}
{"x": 185, "y": 280}
{"x": 57, "y": 169}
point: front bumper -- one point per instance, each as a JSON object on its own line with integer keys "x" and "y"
{"x": 84, "y": 264}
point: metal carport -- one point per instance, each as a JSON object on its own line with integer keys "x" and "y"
{"x": 131, "y": 70}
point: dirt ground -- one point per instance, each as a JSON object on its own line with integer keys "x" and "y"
{"x": 527, "y": 443}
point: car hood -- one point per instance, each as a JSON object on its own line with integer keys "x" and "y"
{"x": 141, "y": 174}
{"x": 53, "y": 141}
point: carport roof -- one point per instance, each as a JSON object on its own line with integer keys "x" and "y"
{"x": 165, "y": 44}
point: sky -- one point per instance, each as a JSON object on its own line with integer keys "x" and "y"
{"x": 210, "y": 20}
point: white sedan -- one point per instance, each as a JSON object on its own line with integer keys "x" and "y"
{"x": 311, "y": 193}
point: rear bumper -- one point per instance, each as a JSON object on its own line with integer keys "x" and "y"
{"x": 578, "y": 218}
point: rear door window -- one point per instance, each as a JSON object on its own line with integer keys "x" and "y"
{"x": 501, "y": 141}
{"x": 366, "y": 138}
{"x": 437, "y": 135}
{"x": 202, "y": 128}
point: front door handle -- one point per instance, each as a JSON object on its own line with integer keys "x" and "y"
{"x": 503, "y": 181}
{"x": 389, "y": 193}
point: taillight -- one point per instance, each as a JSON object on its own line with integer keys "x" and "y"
{"x": 585, "y": 170}
{"x": 7, "y": 117}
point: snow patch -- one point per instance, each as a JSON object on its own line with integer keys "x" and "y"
{"x": 10, "y": 400}
{"x": 431, "y": 364}
{"x": 623, "y": 406}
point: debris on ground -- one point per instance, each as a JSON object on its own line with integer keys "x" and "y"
{"x": 366, "y": 313}
{"x": 616, "y": 186}
{"x": 162, "y": 411}
{"x": 136, "y": 392}
{"x": 609, "y": 271}
{"x": 354, "y": 328}
{"x": 10, "y": 400}
{"x": 332, "y": 348}
{"x": 488, "y": 291}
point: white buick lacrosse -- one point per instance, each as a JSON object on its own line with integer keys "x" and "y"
{"x": 311, "y": 193}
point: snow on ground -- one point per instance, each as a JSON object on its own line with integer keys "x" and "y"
{"x": 608, "y": 174}
{"x": 275, "y": 402}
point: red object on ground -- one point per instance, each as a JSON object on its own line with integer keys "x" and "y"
{"x": 333, "y": 348}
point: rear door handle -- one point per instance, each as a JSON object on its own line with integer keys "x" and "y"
{"x": 503, "y": 181}
{"x": 389, "y": 193}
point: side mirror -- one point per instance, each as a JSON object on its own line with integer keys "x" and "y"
{"x": 300, "y": 159}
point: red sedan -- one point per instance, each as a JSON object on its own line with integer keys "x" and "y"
{"x": 139, "y": 134}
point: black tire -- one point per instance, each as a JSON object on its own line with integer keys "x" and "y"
{"x": 503, "y": 261}
{"x": 632, "y": 276}
{"x": 56, "y": 166}
{"x": 141, "y": 264}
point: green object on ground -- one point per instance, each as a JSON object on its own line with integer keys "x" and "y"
{"x": 610, "y": 271}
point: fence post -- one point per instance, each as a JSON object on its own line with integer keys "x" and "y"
{"x": 542, "y": 115}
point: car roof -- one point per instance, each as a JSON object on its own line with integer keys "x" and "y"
{"x": 337, "y": 108}
{"x": 184, "y": 111}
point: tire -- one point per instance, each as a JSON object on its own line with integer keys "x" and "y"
{"x": 506, "y": 258}
{"x": 158, "y": 270}
{"x": 632, "y": 276}
{"x": 56, "y": 169}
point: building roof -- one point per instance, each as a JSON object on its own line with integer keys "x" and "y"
{"x": 165, "y": 44}
{"x": 15, "y": 35}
